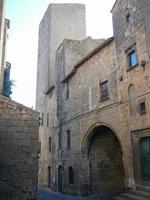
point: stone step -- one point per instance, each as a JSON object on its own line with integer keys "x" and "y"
{"x": 140, "y": 193}
{"x": 130, "y": 196}
{"x": 119, "y": 198}
{"x": 143, "y": 188}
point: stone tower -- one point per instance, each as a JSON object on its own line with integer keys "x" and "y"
{"x": 60, "y": 21}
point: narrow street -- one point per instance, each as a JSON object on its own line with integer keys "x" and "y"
{"x": 47, "y": 194}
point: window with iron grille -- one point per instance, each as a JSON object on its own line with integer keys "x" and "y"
{"x": 104, "y": 91}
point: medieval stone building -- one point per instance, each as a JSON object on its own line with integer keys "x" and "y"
{"x": 18, "y": 136}
{"x": 95, "y": 116}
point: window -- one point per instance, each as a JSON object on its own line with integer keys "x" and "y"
{"x": 59, "y": 140}
{"x": 39, "y": 148}
{"x": 67, "y": 91}
{"x": 49, "y": 176}
{"x": 68, "y": 139}
{"x": 42, "y": 119}
{"x": 47, "y": 119}
{"x": 132, "y": 56}
{"x": 104, "y": 91}
{"x": 50, "y": 144}
{"x": 128, "y": 18}
{"x": 71, "y": 175}
{"x": 142, "y": 108}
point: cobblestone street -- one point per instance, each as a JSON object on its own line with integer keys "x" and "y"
{"x": 47, "y": 194}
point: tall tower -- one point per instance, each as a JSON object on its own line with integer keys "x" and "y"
{"x": 60, "y": 21}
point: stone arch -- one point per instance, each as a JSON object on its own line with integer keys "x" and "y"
{"x": 132, "y": 100}
{"x": 89, "y": 134}
{"x": 103, "y": 151}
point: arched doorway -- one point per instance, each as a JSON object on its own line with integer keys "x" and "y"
{"x": 105, "y": 161}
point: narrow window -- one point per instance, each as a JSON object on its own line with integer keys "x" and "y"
{"x": 39, "y": 148}
{"x": 104, "y": 91}
{"x": 59, "y": 140}
{"x": 67, "y": 90}
{"x": 142, "y": 108}
{"x": 71, "y": 175}
{"x": 50, "y": 144}
{"x": 47, "y": 119}
{"x": 128, "y": 18}
{"x": 49, "y": 176}
{"x": 133, "y": 61}
{"x": 68, "y": 140}
{"x": 42, "y": 119}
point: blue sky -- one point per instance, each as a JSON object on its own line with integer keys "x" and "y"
{"x": 25, "y": 16}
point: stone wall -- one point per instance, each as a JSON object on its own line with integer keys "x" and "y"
{"x": 18, "y": 151}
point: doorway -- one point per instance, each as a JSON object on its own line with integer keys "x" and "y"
{"x": 49, "y": 176}
{"x": 105, "y": 161}
{"x": 60, "y": 178}
{"x": 145, "y": 158}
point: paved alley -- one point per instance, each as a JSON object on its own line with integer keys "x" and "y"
{"x": 47, "y": 194}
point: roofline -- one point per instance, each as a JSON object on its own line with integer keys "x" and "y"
{"x": 76, "y": 66}
{"x": 113, "y": 6}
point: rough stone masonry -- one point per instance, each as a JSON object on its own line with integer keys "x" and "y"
{"x": 18, "y": 151}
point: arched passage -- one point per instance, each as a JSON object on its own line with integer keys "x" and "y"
{"x": 106, "y": 173}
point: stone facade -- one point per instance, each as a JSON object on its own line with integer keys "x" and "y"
{"x": 101, "y": 141}
{"x": 18, "y": 151}
{"x": 60, "y": 21}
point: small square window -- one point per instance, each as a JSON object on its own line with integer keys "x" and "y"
{"x": 133, "y": 61}
{"x": 142, "y": 108}
{"x": 129, "y": 18}
{"x": 104, "y": 91}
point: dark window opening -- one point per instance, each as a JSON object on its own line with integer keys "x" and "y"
{"x": 49, "y": 176}
{"x": 42, "y": 119}
{"x": 59, "y": 140}
{"x": 67, "y": 91}
{"x": 133, "y": 61}
{"x": 68, "y": 139}
{"x": 50, "y": 144}
{"x": 104, "y": 91}
{"x": 47, "y": 119}
{"x": 129, "y": 18}
{"x": 142, "y": 108}
{"x": 39, "y": 148}
{"x": 71, "y": 175}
